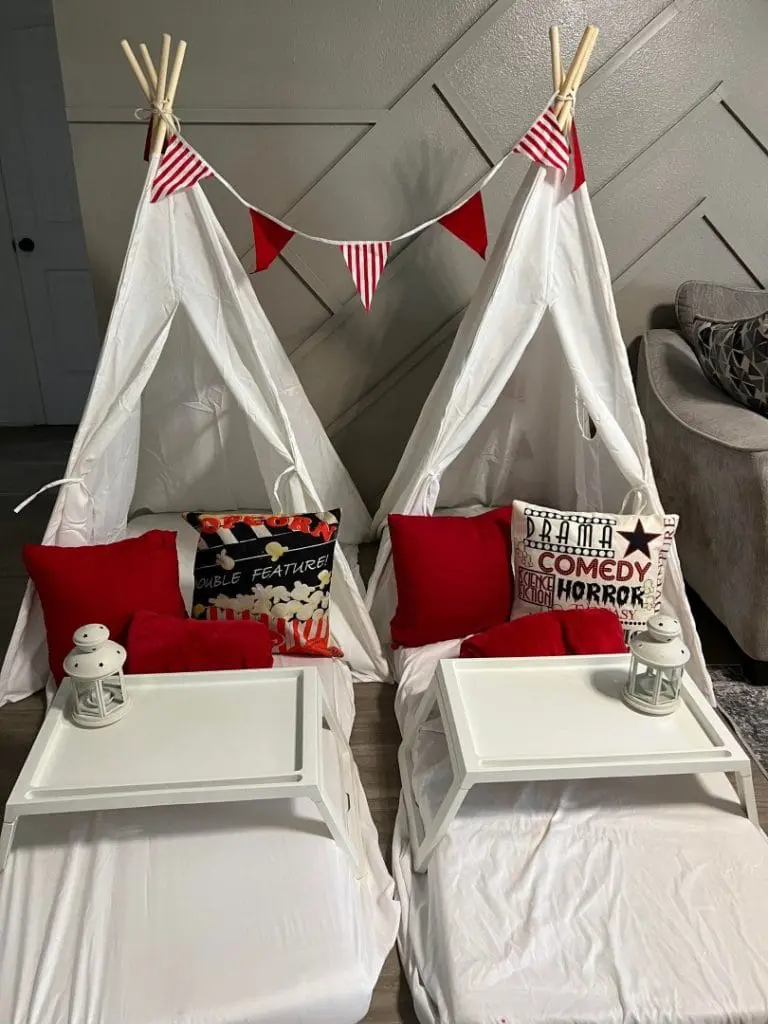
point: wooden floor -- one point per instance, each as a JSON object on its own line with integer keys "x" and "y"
{"x": 30, "y": 458}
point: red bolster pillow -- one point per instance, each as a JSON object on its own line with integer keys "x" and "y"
{"x": 592, "y": 631}
{"x": 160, "y": 643}
{"x": 549, "y": 634}
{"x": 533, "y": 636}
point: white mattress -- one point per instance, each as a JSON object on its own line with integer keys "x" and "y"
{"x": 639, "y": 900}
{"x": 220, "y": 914}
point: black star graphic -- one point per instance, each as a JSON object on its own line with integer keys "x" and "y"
{"x": 638, "y": 539}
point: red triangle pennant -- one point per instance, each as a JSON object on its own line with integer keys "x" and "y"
{"x": 578, "y": 163}
{"x": 468, "y": 223}
{"x": 269, "y": 239}
{"x": 366, "y": 262}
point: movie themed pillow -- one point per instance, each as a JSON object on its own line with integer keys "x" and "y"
{"x": 273, "y": 569}
{"x": 590, "y": 560}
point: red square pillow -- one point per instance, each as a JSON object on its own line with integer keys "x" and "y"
{"x": 453, "y": 573}
{"x": 103, "y": 583}
{"x": 163, "y": 643}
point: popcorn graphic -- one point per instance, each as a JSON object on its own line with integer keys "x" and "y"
{"x": 301, "y": 592}
{"x": 241, "y": 603}
{"x": 275, "y": 550}
{"x": 285, "y": 610}
{"x": 225, "y": 561}
{"x": 276, "y": 593}
{"x": 325, "y": 577}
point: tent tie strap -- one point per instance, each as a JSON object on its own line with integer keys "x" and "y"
{"x": 641, "y": 494}
{"x": 47, "y": 487}
{"x": 162, "y": 111}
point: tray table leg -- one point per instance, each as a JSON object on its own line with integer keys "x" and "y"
{"x": 336, "y": 828}
{"x": 6, "y": 838}
{"x": 746, "y": 792}
{"x": 436, "y": 829}
{"x": 351, "y": 830}
{"x": 433, "y": 831}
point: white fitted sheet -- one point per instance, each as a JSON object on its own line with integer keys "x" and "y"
{"x": 639, "y": 900}
{"x": 222, "y": 914}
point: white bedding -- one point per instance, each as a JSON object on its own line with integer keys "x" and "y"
{"x": 639, "y": 900}
{"x": 223, "y": 914}
{"x": 220, "y": 914}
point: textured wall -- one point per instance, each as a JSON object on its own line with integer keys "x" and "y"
{"x": 361, "y": 117}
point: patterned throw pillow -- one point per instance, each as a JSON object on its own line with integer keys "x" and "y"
{"x": 734, "y": 357}
{"x": 590, "y": 560}
{"x": 274, "y": 569}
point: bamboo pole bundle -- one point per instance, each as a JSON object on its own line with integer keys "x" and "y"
{"x": 157, "y": 84}
{"x": 570, "y": 84}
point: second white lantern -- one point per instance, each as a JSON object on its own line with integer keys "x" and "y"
{"x": 656, "y": 669}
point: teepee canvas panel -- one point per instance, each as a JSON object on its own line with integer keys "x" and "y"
{"x": 188, "y": 350}
{"x": 539, "y": 343}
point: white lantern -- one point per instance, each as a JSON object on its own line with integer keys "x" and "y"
{"x": 96, "y": 670}
{"x": 656, "y": 669}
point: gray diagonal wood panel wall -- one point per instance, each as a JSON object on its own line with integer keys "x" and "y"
{"x": 358, "y": 118}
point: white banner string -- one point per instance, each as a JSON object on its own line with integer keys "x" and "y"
{"x": 398, "y": 238}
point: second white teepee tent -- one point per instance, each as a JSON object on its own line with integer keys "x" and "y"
{"x": 503, "y": 421}
{"x": 194, "y": 405}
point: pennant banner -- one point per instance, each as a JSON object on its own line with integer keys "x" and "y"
{"x": 544, "y": 143}
{"x": 467, "y": 222}
{"x": 366, "y": 262}
{"x": 180, "y": 167}
{"x": 270, "y": 237}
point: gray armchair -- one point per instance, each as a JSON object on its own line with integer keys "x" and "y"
{"x": 710, "y": 458}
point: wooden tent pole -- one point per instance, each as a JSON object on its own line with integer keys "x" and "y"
{"x": 173, "y": 81}
{"x": 584, "y": 49}
{"x": 557, "y": 64}
{"x": 162, "y": 79}
{"x": 149, "y": 64}
{"x": 580, "y": 72}
{"x": 136, "y": 68}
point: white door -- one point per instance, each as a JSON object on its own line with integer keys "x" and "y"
{"x": 48, "y": 318}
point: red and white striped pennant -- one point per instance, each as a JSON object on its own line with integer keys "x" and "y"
{"x": 180, "y": 167}
{"x": 366, "y": 262}
{"x": 544, "y": 143}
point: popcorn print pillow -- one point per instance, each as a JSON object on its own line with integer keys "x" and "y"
{"x": 273, "y": 569}
{"x": 590, "y": 560}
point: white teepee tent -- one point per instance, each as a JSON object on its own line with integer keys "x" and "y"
{"x": 505, "y": 419}
{"x": 194, "y": 405}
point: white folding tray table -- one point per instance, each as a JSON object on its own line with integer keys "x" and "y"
{"x": 527, "y": 719}
{"x": 191, "y": 738}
